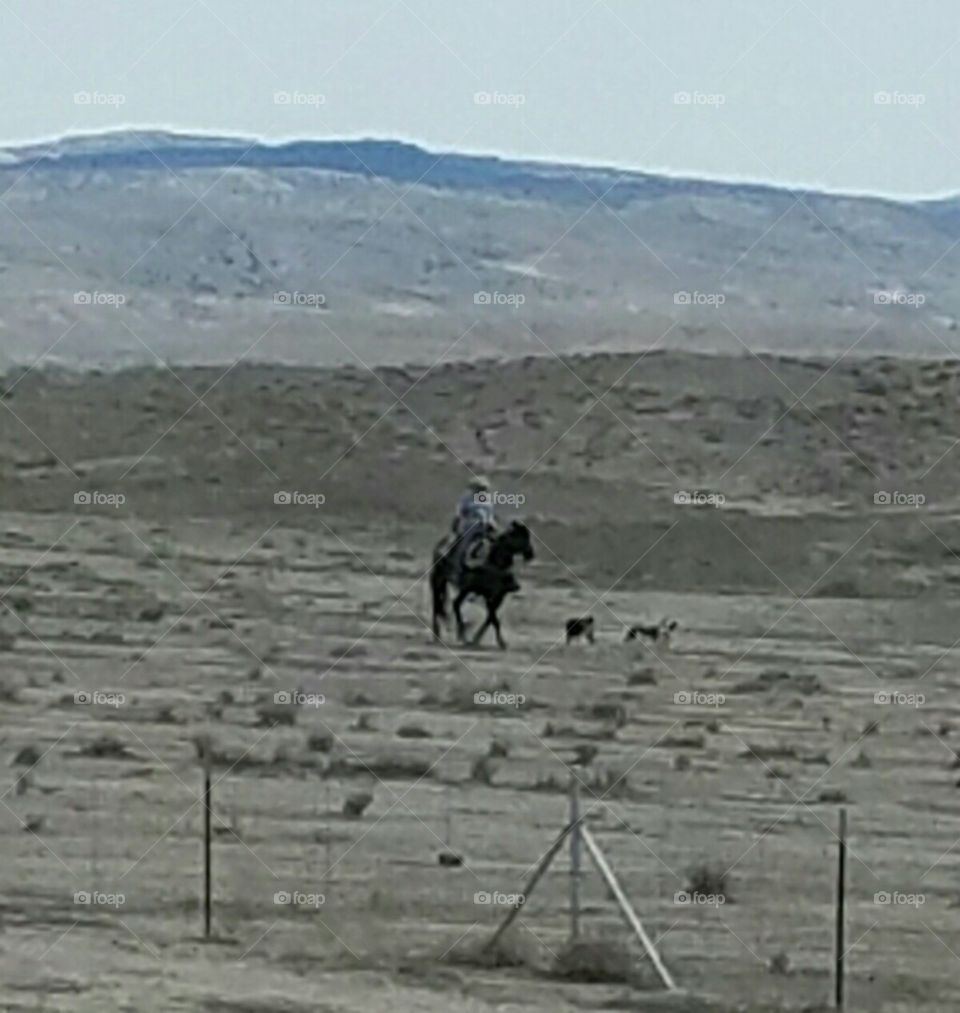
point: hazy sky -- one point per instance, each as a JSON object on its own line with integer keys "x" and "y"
{"x": 857, "y": 95}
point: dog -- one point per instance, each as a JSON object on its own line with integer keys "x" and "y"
{"x": 582, "y": 627}
{"x": 659, "y": 633}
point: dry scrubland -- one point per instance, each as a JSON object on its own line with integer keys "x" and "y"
{"x": 199, "y": 598}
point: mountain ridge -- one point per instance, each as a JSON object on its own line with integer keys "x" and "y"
{"x": 131, "y": 247}
{"x": 403, "y": 161}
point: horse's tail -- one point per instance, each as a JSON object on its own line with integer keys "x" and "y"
{"x": 441, "y": 599}
{"x": 438, "y": 585}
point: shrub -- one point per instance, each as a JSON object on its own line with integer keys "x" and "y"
{"x": 413, "y": 732}
{"x": 319, "y": 742}
{"x": 705, "y": 879}
{"x": 354, "y": 805}
{"x": 604, "y": 962}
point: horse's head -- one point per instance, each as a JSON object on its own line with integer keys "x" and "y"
{"x": 517, "y": 538}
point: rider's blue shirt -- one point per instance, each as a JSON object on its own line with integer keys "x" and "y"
{"x": 474, "y": 509}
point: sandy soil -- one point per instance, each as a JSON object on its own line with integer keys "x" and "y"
{"x": 198, "y": 598}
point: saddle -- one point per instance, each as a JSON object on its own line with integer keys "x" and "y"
{"x": 467, "y": 555}
{"x": 475, "y": 552}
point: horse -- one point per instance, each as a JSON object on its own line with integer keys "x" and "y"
{"x": 492, "y": 579}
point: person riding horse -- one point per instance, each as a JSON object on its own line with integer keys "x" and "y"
{"x": 477, "y": 559}
{"x": 473, "y": 523}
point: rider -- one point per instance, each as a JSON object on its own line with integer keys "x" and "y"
{"x": 474, "y": 517}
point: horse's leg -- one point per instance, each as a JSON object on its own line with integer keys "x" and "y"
{"x": 483, "y": 626}
{"x": 457, "y": 602}
{"x": 436, "y": 613}
{"x": 494, "y": 608}
{"x": 438, "y": 590}
{"x": 493, "y": 604}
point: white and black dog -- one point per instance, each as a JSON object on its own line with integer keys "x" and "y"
{"x": 659, "y": 634}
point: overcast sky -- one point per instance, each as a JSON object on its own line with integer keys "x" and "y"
{"x": 856, "y": 95}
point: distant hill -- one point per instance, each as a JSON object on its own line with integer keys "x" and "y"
{"x": 141, "y": 245}
{"x": 390, "y": 160}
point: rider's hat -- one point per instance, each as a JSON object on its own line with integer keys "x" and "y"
{"x": 479, "y": 484}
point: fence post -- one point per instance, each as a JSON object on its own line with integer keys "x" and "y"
{"x": 575, "y": 852}
{"x": 541, "y": 868}
{"x": 207, "y": 849}
{"x": 841, "y": 904}
{"x": 603, "y": 867}
{"x": 326, "y": 825}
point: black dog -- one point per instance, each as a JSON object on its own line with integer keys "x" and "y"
{"x": 580, "y": 628}
{"x": 661, "y": 631}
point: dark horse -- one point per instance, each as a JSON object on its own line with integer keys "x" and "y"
{"x": 491, "y": 580}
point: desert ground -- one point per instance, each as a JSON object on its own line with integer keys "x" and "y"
{"x": 149, "y": 567}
